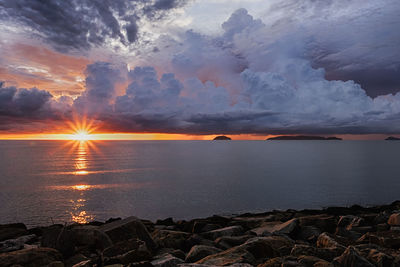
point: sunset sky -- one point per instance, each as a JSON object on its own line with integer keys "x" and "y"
{"x": 177, "y": 69}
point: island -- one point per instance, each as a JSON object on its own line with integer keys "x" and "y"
{"x": 392, "y": 138}
{"x": 222, "y": 137}
{"x": 303, "y": 137}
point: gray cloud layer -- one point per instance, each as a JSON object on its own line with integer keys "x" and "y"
{"x": 82, "y": 24}
{"x": 250, "y": 79}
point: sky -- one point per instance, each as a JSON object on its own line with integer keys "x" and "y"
{"x": 190, "y": 69}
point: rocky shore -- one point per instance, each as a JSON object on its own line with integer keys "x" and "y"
{"x": 335, "y": 236}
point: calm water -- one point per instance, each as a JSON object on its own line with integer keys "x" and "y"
{"x": 60, "y": 181}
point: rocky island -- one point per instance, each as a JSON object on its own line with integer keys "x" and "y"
{"x": 222, "y": 137}
{"x": 392, "y": 138}
{"x": 335, "y": 236}
{"x": 303, "y": 137}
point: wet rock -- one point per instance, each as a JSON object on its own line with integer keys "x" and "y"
{"x": 288, "y": 228}
{"x": 166, "y": 261}
{"x": 199, "y": 252}
{"x": 394, "y": 219}
{"x": 12, "y": 231}
{"x": 171, "y": 239}
{"x": 226, "y": 242}
{"x": 126, "y": 229}
{"x": 30, "y": 257}
{"x": 15, "y": 244}
{"x": 351, "y": 258}
{"x": 227, "y": 231}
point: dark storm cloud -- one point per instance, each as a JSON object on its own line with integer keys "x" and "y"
{"x": 82, "y": 24}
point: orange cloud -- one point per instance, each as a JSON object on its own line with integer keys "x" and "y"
{"x": 32, "y": 66}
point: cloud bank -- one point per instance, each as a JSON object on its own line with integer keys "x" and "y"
{"x": 249, "y": 79}
{"x": 82, "y": 24}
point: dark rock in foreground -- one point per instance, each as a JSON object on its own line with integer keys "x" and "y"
{"x": 335, "y": 236}
{"x": 392, "y": 138}
{"x": 303, "y": 137}
{"x": 222, "y": 137}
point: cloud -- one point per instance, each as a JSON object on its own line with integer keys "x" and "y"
{"x": 248, "y": 79}
{"x": 81, "y": 25}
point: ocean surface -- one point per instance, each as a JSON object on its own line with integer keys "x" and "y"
{"x": 42, "y": 182}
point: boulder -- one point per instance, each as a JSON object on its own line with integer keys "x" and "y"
{"x": 308, "y": 233}
{"x": 126, "y": 229}
{"x": 30, "y": 257}
{"x": 253, "y": 251}
{"x": 166, "y": 261}
{"x": 171, "y": 239}
{"x": 394, "y": 219}
{"x": 227, "y": 231}
{"x": 226, "y": 242}
{"x": 199, "y": 252}
{"x": 312, "y": 261}
{"x": 288, "y": 228}
{"x": 133, "y": 250}
{"x": 15, "y": 244}
{"x": 250, "y": 222}
{"x": 388, "y": 239}
{"x": 205, "y": 265}
{"x": 324, "y": 222}
{"x": 379, "y": 258}
{"x": 325, "y": 240}
{"x": 327, "y": 254}
{"x": 350, "y": 221}
{"x": 351, "y": 258}
{"x": 12, "y": 231}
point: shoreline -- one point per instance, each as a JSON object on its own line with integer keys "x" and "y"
{"x": 332, "y": 236}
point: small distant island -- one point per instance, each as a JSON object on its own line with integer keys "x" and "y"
{"x": 303, "y": 137}
{"x": 392, "y": 138}
{"x": 222, "y": 137}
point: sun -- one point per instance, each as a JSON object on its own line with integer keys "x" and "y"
{"x": 81, "y": 135}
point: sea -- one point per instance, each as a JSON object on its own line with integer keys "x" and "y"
{"x": 46, "y": 182}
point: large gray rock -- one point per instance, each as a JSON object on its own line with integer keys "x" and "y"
{"x": 227, "y": 231}
{"x": 30, "y": 257}
{"x": 199, "y": 252}
{"x": 126, "y": 229}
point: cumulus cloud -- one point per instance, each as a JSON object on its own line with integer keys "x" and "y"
{"x": 81, "y": 25}
{"x": 248, "y": 79}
